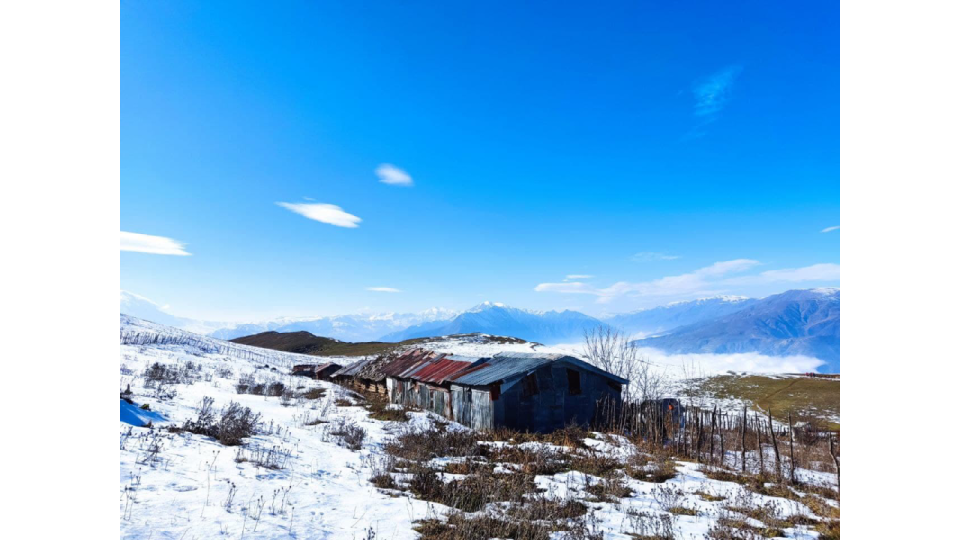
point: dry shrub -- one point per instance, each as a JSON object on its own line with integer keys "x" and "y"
{"x": 423, "y": 445}
{"x": 595, "y": 463}
{"x": 609, "y": 489}
{"x": 349, "y": 434}
{"x": 658, "y": 470}
{"x": 543, "y": 508}
{"x": 471, "y": 493}
{"x": 381, "y": 476}
{"x": 480, "y": 527}
{"x": 234, "y": 424}
{"x": 274, "y": 457}
{"x": 650, "y": 526}
{"x": 275, "y": 389}
{"x": 315, "y": 393}
{"x": 468, "y": 466}
{"x": 535, "y": 460}
{"x": 571, "y": 436}
{"x": 380, "y": 409}
{"x": 829, "y": 529}
{"x": 672, "y": 499}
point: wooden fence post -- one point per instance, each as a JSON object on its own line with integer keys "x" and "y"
{"x": 743, "y": 441}
{"x": 756, "y": 422}
{"x": 776, "y": 449}
{"x": 713, "y": 429}
{"x": 793, "y": 462}
{"x": 836, "y": 462}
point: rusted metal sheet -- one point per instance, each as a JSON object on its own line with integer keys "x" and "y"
{"x": 408, "y": 360}
{"x": 438, "y": 372}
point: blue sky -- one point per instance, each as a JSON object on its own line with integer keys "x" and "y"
{"x": 666, "y": 150}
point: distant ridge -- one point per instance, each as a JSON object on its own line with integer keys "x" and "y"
{"x": 798, "y": 322}
{"x": 662, "y": 319}
{"x": 498, "y": 319}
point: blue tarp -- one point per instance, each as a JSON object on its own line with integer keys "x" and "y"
{"x": 135, "y": 416}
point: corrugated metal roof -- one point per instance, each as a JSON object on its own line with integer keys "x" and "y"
{"x": 437, "y": 372}
{"x": 509, "y": 365}
{"x": 352, "y": 369}
{"x": 327, "y": 365}
{"x": 406, "y": 361}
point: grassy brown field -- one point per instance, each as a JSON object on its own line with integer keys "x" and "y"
{"x": 800, "y": 396}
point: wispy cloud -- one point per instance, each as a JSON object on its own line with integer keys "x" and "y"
{"x": 147, "y": 243}
{"x": 324, "y": 213}
{"x": 393, "y": 175}
{"x": 814, "y": 272}
{"x": 383, "y": 289}
{"x": 577, "y": 276}
{"x": 644, "y": 256}
{"x": 713, "y": 279}
{"x": 830, "y": 229}
{"x": 693, "y": 282}
{"x": 712, "y": 93}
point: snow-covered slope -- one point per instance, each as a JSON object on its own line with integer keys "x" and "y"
{"x": 177, "y": 485}
{"x": 501, "y": 320}
{"x": 138, "y": 332}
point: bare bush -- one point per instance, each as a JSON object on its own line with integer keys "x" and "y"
{"x": 349, "y": 434}
{"x": 651, "y": 526}
{"x": 230, "y": 428}
{"x": 422, "y": 445}
{"x": 613, "y": 351}
{"x": 273, "y": 457}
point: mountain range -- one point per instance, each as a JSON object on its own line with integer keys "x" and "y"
{"x": 797, "y": 322}
{"x": 501, "y": 320}
{"x": 658, "y": 320}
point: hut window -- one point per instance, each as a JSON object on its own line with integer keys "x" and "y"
{"x": 573, "y": 382}
{"x": 530, "y": 386}
{"x": 494, "y": 392}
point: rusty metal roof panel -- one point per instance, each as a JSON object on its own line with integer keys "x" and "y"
{"x": 438, "y": 372}
{"x": 406, "y": 361}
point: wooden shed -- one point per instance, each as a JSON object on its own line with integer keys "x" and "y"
{"x": 524, "y": 391}
{"x": 531, "y": 392}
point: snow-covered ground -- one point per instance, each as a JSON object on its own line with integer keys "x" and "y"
{"x": 180, "y": 485}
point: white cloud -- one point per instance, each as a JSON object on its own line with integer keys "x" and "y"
{"x": 713, "y": 279}
{"x": 679, "y": 366}
{"x": 393, "y": 175}
{"x": 712, "y": 93}
{"x": 147, "y": 243}
{"x": 697, "y": 281}
{"x": 815, "y": 272}
{"x": 577, "y": 276}
{"x": 383, "y": 289}
{"x": 829, "y": 229}
{"x": 325, "y": 213}
{"x": 653, "y": 256}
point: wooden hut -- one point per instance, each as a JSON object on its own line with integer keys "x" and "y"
{"x": 531, "y": 392}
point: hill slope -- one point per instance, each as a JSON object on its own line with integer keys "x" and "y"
{"x": 664, "y": 318}
{"x": 799, "y": 322}
{"x": 342, "y": 327}
{"x": 307, "y": 343}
